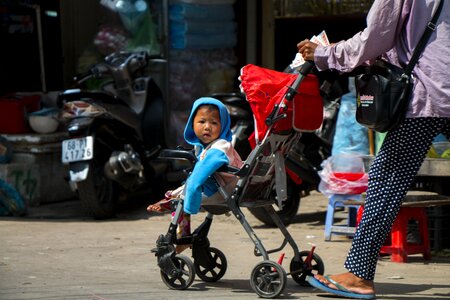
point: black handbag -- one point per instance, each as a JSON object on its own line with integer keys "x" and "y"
{"x": 383, "y": 90}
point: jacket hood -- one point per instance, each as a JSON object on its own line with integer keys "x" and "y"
{"x": 225, "y": 132}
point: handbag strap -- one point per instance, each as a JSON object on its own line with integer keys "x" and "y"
{"x": 431, "y": 26}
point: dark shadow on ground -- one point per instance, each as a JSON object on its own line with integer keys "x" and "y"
{"x": 312, "y": 218}
{"x": 241, "y": 286}
{"x": 131, "y": 209}
{"x": 384, "y": 290}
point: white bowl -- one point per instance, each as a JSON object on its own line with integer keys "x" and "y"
{"x": 43, "y": 124}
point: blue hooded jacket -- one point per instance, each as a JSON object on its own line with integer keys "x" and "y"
{"x": 209, "y": 159}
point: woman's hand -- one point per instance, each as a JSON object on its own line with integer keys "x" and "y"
{"x": 307, "y": 48}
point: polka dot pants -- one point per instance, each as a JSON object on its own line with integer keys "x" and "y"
{"x": 390, "y": 177}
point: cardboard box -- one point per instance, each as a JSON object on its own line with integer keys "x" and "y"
{"x": 13, "y": 112}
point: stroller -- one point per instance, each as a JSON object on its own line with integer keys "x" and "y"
{"x": 282, "y": 109}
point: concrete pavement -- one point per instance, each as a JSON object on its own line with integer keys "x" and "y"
{"x": 56, "y": 253}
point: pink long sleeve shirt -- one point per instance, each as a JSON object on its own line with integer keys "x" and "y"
{"x": 394, "y": 28}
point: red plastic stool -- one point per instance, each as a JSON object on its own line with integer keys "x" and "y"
{"x": 397, "y": 245}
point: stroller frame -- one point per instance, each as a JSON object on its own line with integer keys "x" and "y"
{"x": 262, "y": 171}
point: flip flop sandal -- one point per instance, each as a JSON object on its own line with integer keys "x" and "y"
{"x": 340, "y": 291}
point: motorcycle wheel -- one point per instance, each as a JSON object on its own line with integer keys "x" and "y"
{"x": 289, "y": 211}
{"x": 97, "y": 193}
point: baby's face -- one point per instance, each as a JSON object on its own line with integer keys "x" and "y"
{"x": 207, "y": 124}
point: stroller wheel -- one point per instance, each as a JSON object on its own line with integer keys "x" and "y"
{"x": 215, "y": 268}
{"x": 183, "y": 276}
{"x": 268, "y": 279}
{"x": 300, "y": 269}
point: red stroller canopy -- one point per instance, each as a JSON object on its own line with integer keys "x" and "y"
{"x": 265, "y": 88}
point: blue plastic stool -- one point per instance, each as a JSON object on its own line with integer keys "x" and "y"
{"x": 338, "y": 200}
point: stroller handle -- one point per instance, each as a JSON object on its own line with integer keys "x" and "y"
{"x": 304, "y": 70}
{"x": 307, "y": 67}
{"x": 275, "y": 114}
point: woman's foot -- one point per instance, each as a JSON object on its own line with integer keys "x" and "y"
{"x": 349, "y": 281}
{"x": 162, "y": 206}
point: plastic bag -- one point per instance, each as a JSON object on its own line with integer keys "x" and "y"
{"x": 144, "y": 37}
{"x": 11, "y": 202}
{"x": 6, "y": 151}
{"x": 349, "y": 137}
{"x": 343, "y": 174}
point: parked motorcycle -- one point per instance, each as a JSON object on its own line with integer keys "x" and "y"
{"x": 116, "y": 133}
{"x": 302, "y": 163}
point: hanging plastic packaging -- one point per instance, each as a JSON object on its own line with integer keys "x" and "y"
{"x": 349, "y": 137}
{"x": 343, "y": 174}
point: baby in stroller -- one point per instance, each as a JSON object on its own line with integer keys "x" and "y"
{"x": 208, "y": 130}
{"x": 279, "y": 126}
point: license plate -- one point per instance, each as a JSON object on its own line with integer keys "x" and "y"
{"x": 77, "y": 149}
